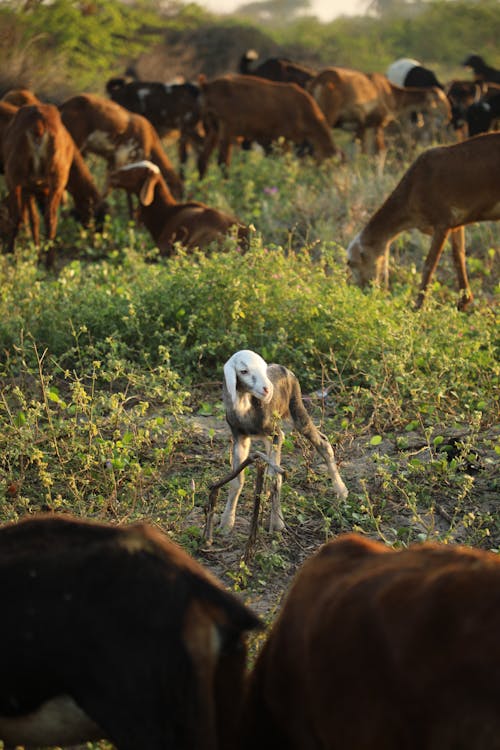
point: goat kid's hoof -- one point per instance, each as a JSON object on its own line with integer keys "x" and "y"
{"x": 226, "y": 525}
{"x": 276, "y": 524}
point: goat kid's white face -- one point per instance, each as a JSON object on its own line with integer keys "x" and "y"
{"x": 250, "y": 370}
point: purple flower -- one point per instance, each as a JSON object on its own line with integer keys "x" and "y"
{"x": 273, "y": 190}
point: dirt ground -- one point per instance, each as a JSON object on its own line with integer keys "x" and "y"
{"x": 274, "y": 559}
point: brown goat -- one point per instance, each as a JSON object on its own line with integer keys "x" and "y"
{"x": 115, "y": 633}
{"x": 276, "y": 69}
{"x": 445, "y": 188}
{"x": 367, "y": 103}
{"x": 241, "y": 106}
{"x": 192, "y": 224}
{"x": 105, "y": 128}
{"x": 376, "y": 649}
{"x": 20, "y": 97}
{"x": 88, "y": 204}
{"x": 37, "y": 153}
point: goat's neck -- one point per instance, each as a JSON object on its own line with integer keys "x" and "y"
{"x": 157, "y": 213}
{"x": 244, "y": 403}
{"x": 390, "y": 219}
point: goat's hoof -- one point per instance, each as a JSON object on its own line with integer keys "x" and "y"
{"x": 226, "y": 525}
{"x": 276, "y": 524}
{"x": 343, "y": 493}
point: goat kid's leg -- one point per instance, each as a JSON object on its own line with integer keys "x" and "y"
{"x": 241, "y": 449}
{"x": 457, "y": 237}
{"x": 325, "y": 450}
{"x": 431, "y": 262}
{"x": 273, "y": 449}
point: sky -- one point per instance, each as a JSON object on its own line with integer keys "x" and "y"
{"x": 323, "y": 9}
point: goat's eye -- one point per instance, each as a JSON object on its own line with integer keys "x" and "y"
{"x": 243, "y": 372}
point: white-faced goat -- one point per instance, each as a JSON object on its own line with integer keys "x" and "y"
{"x": 256, "y": 397}
{"x": 193, "y": 224}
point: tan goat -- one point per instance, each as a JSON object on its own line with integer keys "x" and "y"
{"x": 37, "y": 153}
{"x": 367, "y": 103}
{"x": 241, "y": 106}
{"x": 105, "y": 128}
{"x": 445, "y": 188}
{"x": 192, "y": 224}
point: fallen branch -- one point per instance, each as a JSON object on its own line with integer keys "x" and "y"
{"x": 214, "y": 490}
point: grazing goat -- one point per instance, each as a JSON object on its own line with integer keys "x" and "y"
{"x": 406, "y": 72}
{"x": 105, "y": 128}
{"x": 377, "y": 649}
{"x": 256, "y": 397}
{"x": 482, "y": 71}
{"x": 365, "y": 102}
{"x": 234, "y": 106}
{"x": 37, "y": 154}
{"x": 445, "y": 188}
{"x": 169, "y": 107}
{"x": 115, "y": 633}
{"x": 276, "y": 69}
{"x": 192, "y": 224}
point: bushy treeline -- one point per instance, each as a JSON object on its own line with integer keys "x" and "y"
{"x": 66, "y": 46}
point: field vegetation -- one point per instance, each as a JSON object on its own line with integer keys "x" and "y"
{"x": 111, "y": 368}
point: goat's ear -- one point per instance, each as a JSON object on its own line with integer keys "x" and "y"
{"x": 230, "y": 379}
{"x": 148, "y": 189}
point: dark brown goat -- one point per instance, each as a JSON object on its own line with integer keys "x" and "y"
{"x": 377, "y": 649}
{"x": 240, "y": 106}
{"x": 37, "y": 153}
{"x": 115, "y": 633}
{"x": 105, "y": 128}
{"x": 279, "y": 69}
{"x": 192, "y": 224}
{"x": 168, "y": 106}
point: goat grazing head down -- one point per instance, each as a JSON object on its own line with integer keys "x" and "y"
{"x": 246, "y": 372}
{"x": 140, "y": 178}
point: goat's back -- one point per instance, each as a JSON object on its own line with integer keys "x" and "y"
{"x": 380, "y": 649}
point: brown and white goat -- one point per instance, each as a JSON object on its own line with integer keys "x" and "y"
{"x": 445, "y": 188}
{"x": 256, "y": 397}
{"x": 241, "y": 106}
{"x": 105, "y": 128}
{"x": 115, "y": 633}
{"x": 378, "y": 649}
{"x": 37, "y": 154}
{"x": 367, "y": 103}
{"x": 192, "y": 224}
{"x": 168, "y": 106}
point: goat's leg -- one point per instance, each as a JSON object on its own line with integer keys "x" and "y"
{"x": 241, "y": 449}
{"x": 210, "y": 142}
{"x": 325, "y": 450}
{"x": 50, "y": 220}
{"x": 457, "y": 237}
{"x": 15, "y": 206}
{"x": 273, "y": 445}
{"x": 430, "y": 264}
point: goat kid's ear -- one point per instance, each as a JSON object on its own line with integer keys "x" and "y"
{"x": 230, "y": 379}
{"x": 148, "y": 189}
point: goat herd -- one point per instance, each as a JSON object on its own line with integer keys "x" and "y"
{"x": 445, "y": 188}
{"x": 113, "y": 632}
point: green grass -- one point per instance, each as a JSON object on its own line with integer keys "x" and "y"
{"x": 104, "y": 364}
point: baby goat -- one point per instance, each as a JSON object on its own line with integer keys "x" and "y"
{"x": 256, "y": 395}
{"x": 193, "y": 224}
